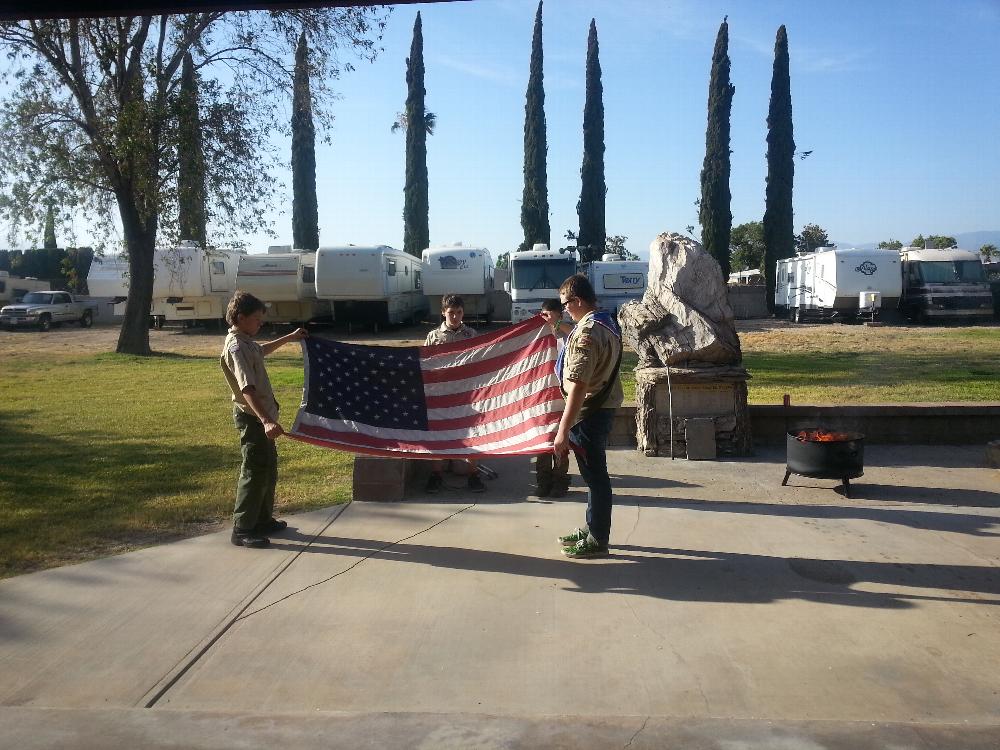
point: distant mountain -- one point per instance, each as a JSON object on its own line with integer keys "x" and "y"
{"x": 966, "y": 240}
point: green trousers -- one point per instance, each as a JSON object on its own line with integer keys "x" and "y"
{"x": 258, "y": 473}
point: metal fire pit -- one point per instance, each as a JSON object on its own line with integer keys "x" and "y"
{"x": 840, "y": 455}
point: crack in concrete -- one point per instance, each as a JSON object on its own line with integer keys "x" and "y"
{"x": 645, "y": 721}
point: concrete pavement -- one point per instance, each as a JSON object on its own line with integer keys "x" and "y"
{"x": 732, "y": 613}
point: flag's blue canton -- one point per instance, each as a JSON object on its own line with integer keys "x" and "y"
{"x": 377, "y": 385}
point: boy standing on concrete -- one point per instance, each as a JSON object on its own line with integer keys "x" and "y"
{"x": 255, "y": 412}
{"x": 552, "y": 472}
{"x": 452, "y": 329}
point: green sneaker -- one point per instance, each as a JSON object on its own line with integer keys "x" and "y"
{"x": 573, "y": 537}
{"x": 588, "y": 547}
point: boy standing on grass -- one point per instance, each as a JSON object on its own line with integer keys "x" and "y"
{"x": 255, "y": 412}
{"x": 452, "y": 329}
{"x": 551, "y": 471}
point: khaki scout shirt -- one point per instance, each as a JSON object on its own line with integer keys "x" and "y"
{"x": 243, "y": 365}
{"x": 444, "y": 335}
{"x": 591, "y": 354}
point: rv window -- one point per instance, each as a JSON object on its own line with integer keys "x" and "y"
{"x": 308, "y": 274}
{"x": 218, "y": 268}
{"x": 416, "y": 280}
{"x": 406, "y": 270}
{"x": 390, "y": 267}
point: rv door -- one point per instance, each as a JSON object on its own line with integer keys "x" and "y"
{"x": 218, "y": 279}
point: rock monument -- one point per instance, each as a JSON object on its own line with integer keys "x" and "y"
{"x": 691, "y": 388}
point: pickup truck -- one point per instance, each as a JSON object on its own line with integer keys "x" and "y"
{"x": 42, "y": 309}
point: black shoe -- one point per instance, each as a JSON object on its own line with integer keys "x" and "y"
{"x": 249, "y": 539}
{"x": 476, "y": 484}
{"x": 434, "y": 482}
{"x": 558, "y": 491}
{"x": 274, "y": 526}
{"x": 543, "y": 489}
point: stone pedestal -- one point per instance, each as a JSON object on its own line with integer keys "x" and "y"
{"x": 709, "y": 407}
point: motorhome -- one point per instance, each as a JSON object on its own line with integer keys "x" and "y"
{"x": 285, "y": 281}
{"x": 944, "y": 285}
{"x": 536, "y": 275}
{"x": 13, "y": 288}
{"x": 837, "y": 284}
{"x": 461, "y": 270}
{"x": 616, "y": 281}
{"x": 373, "y": 284}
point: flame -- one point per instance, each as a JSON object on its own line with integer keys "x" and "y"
{"x": 822, "y": 436}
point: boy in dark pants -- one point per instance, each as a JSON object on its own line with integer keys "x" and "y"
{"x": 551, "y": 471}
{"x": 255, "y": 412}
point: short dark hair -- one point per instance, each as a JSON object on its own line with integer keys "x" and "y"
{"x": 242, "y": 303}
{"x": 452, "y": 300}
{"x": 551, "y": 305}
{"x": 578, "y": 286}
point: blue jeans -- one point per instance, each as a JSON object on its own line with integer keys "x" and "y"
{"x": 591, "y": 435}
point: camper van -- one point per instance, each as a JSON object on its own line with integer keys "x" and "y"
{"x": 285, "y": 281}
{"x": 13, "y": 288}
{"x": 616, "y": 281}
{"x": 465, "y": 271}
{"x": 536, "y": 275}
{"x": 375, "y": 284}
{"x": 944, "y": 285}
{"x": 835, "y": 284}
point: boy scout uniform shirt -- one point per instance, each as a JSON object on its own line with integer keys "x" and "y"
{"x": 591, "y": 354}
{"x": 445, "y": 335}
{"x": 243, "y": 365}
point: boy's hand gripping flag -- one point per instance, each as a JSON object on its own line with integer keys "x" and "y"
{"x": 495, "y": 394}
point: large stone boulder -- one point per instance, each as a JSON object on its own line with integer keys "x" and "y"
{"x": 684, "y": 316}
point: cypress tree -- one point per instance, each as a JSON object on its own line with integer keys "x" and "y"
{"x": 535, "y": 198}
{"x": 416, "y": 208}
{"x": 779, "y": 234}
{"x": 590, "y": 208}
{"x": 49, "y": 243}
{"x": 191, "y": 211}
{"x": 714, "y": 212}
{"x": 305, "y": 211}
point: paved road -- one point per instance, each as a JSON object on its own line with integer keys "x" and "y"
{"x": 733, "y": 613}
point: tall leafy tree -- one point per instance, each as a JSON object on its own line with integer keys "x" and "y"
{"x": 811, "y": 237}
{"x": 49, "y": 242}
{"x": 192, "y": 218}
{"x": 714, "y": 211}
{"x": 305, "y": 206}
{"x": 778, "y": 228}
{"x": 590, "y": 208}
{"x": 416, "y": 205}
{"x": 890, "y": 244}
{"x": 748, "y": 245}
{"x": 535, "y": 197}
{"x": 90, "y": 108}
{"x": 934, "y": 241}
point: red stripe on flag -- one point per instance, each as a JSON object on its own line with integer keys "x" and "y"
{"x": 538, "y": 372}
{"x": 528, "y": 448}
{"x": 542, "y": 397}
{"x": 482, "y": 366}
{"x": 486, "y": 339}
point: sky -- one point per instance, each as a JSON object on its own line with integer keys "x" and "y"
{"x": 898, "y": 101}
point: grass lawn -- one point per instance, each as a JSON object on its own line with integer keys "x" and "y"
{"x": 104, "y": 453}
{"x": 101, "y": 453}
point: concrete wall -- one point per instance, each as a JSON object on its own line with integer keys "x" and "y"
{"x": 748, "y": 301}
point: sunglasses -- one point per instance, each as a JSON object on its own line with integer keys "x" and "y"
{"x": 571, "y": 299}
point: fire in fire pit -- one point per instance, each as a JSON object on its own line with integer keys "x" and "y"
{"x": 823, "y": 454}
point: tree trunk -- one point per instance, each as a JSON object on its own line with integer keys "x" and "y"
{"x": 141, "y": 242}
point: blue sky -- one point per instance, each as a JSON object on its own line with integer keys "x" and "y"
{"x": 898, "y": 100}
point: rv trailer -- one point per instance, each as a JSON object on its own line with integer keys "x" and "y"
{"x": 536, "y": 275}
{"x": 465, "y": 271}
{"x": 285, "y": 281}
{"x": 192, "y": 285}
{"x": 13, "y": 288}
{"x": 616, "y": 281}
{"x": 835, "y": 284}
{"x": 944, "y": 285}
{"x": 371, "y": 284}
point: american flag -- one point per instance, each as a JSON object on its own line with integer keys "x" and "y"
{"x": 495, "y": 394}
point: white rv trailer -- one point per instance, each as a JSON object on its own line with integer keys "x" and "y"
{"x": 831, "y": 283}
{"x": 465, "y": 271}
{"x": 12, "y": 288}
{"x": 285, "y": 281}
{"x": 108, "y": 277}
{"x": 373, "y": 284}
{"x": 536, "y": 275}
{"x": 616, "y": 281}
{"x": 944, "y": 284}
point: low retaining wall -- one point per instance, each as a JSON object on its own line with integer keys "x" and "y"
{"x": 915, "y": 424}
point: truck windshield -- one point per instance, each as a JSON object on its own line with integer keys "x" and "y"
{"x": 531, "y": 275}
{"x": 951, "y": 271}
{"x": 36, "y": 298}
